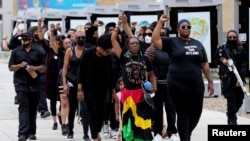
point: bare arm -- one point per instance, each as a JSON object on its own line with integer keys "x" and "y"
{"x": 152, "y": 78}
{"x": 116, "y": 46}
{"x": 208, "y": 75}
{"x": 126, "y": 27}
{"x": 39, "y": 27}
{"x": 156, "y": 38}
{"x": 52, "y": 41}
{"x": 5, "y": 43}
{"x": 18, "y": 66}
{"x": 65, "y": 66}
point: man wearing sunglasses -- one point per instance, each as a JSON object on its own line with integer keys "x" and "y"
{"x": 27, "y": 87}
{"x": 230, "y": 86}
{"x": 184, "y": 78}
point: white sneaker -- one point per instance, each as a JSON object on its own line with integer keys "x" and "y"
{"x": 174, "y": 137}
{"x": 157, "y": 138}
{"x": 106, "y": 131}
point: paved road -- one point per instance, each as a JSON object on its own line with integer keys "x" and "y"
{"x": 9, "y": 116}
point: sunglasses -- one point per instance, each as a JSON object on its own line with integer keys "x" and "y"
{"x": 232, "y": 37}
{"x": 186, "y": 27}
{"x": 149, "y": 34}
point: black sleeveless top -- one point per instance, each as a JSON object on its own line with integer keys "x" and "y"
{"x": 74, "y": 63}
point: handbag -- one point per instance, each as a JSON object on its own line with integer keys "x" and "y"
{"x": 71, "y": 77}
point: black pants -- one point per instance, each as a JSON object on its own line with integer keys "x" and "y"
{"x": 234, "y": 96}
{"x": 188, "y": 101}
{"x": 53, "y": 95}
{"x": 73, "y": 103}
{"x": 162, "y": 96}
{"x": 42, "y": 106}
{"x": 85, "y": 117}
{"x": 96, "y": 106}
{"x": 109, "y": 115}
{"x": 27, "y": 112}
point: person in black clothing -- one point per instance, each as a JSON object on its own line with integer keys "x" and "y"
{"x": 40, "y": 43}
{"x": 184, "y": 79}
{"x": 230, "y": 86}
{"x": 160, "y": 61}
{"x": 94, "y": 80}
{"x": 15, "y": 42}
{"x": 52, "y": 72}
{"x": 109, "y": 115}
{"x": 69, "y": 75}
{"x": 136, "y": 70}
{"x": 27, "y": 87}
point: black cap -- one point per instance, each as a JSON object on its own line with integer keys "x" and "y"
{"x": 111, "y": 24}
{"x": 27, "y": 34}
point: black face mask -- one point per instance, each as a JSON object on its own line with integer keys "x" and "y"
{"x": 232, "y": 43}
{"x": 36, "y": 36}
{"x": 80, "y": 42}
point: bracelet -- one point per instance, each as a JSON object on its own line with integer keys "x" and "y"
{"x": 79, "y": 90}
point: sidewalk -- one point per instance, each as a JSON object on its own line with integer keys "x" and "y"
{"x": 9, "y": 117}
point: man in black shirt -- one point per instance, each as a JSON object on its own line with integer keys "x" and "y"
{"x": 26, "y": 86}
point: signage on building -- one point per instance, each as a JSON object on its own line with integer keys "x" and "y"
{"x": 42, "y": 6}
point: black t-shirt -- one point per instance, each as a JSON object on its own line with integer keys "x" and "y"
{"x": 186, "y": 58}
{"x": 134, "y": 69}
{"x": 160, "y": 61}
{"x": 22, "y": 79}
{"x": 95, "y": 73}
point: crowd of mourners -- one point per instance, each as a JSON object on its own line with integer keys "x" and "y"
{"x": 118, "y": 83}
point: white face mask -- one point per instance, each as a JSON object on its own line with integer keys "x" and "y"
{"x": 148, "y": 39}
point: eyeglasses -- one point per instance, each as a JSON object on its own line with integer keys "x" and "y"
{"x": 186, "y": 27}
{"x": 232, "y": 37}
{"x": 149, "y": 34}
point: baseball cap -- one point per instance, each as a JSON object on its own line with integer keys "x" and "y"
{"x": 26, "y": 33}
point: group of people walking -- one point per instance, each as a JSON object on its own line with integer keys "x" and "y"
{"x": 101, "y": 78}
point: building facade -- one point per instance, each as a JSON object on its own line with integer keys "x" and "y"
{"x": 230, "y": 11}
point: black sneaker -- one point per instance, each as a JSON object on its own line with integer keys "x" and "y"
{"x": 64, "y": 129}
{"x": 86, "y": 138}
{"x": 54, "y": 127}
{"x": 32, "y": 137}
{"x": 45, "y": 114}
{"x": 70, "y": 137}
{"x": 22, "y": 138}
